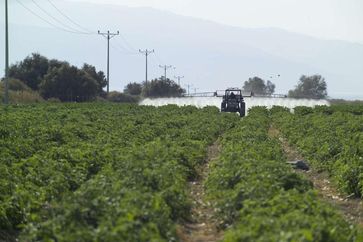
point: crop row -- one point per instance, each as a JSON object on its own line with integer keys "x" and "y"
{"x": 331, "y": 138}
{"x": 260, "y": 198}
{"x": 100, "y": 172}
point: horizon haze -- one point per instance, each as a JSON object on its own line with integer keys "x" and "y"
{"x": 211, "y": 53}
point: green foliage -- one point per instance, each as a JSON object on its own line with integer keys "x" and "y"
{"x": 68, "y": 83}
{"x": 313, "y": 87}
{"x": 290, "y": 216}
{"x": 162, "y": 88}
{"x": 301, "y": 111}
{"x": 257, "y": 85}
{"x": 31, "y": 70}
{"x": 56, "y": 79}
{"x": 356, "y": 108}
{"x": 118, "y": 97}
{"x": 17, "y": 85}
{"x": 111, "y": 172}
{"x": 331, "y": 138}
{"x": 20, "y": 93}
{"x": 133, "y": 89}
{"x": 260, "y": 198}
{"x": 100, "y": 172}
{"x": 99, "y": 76}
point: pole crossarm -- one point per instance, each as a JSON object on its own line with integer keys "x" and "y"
{"x": 147, "y": 52}
{"x": 166, "y": 68}
{"x": 108, "y": 34}
{"x": 179, "y": 78}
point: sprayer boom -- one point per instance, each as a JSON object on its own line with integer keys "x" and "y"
{"x": 220, "y": 93}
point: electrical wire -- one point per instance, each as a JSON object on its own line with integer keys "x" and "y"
{"x": 127, "y": 43}
{"x": 57, "y": 20}
{"x": 70, "y": 19}
{"x": 122, "y": 47}
{"x": 156, "y": 56}
{"x": 122, "y": 50}
{"x": 126, "y": 49}
{"x": 155, "y": 61}
{"x": 45, "y": 20}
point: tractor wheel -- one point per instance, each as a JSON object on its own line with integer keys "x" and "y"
{"x": 223, "y": 107}
{"x": 242, "y": 111}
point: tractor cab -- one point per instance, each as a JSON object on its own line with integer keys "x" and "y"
{"x": 233, "y": 102}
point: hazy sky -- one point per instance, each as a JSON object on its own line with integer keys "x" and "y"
{"x": 329, "y": 19}
{"x": 272, "y": 50}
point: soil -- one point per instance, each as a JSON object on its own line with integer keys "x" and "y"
{"x": 351, "y": 208}
{"x": 202, "y": 227}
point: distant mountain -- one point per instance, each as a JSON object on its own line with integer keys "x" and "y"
{"x": 210, "y": 55}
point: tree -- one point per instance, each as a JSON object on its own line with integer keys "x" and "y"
{"x": 118, "y": 97}
{"x": 55, "y": 64}
{"x": 16, "y": 85}
{"x": 270, "y": 88}
{"x": 313, "y": 87}
{"x": 162, "y": 88}
{"x": 68, "y": 83}
{"x": 49, "y": 78}
{"x": 259, "y": 86}
{"x": 133, "y": 89}
{"x": 31, "y": 70}
{"x": 98, "y": 76}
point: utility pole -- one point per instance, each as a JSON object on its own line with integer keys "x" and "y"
{"x": 179, "y": 78}
{"x": 6, "y": 88}
{"x": 108, "y": 36}
{"x": 166, "y": 67}
{"x": 146, "y": 53}
{"x": 188, "y": 86}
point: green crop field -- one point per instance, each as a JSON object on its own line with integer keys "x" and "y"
{"x": 331, "y": 138}
{"x": 107, "y": 172}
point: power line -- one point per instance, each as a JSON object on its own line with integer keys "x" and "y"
{"x": 108, "y": 36}
{"x": 155, "y": 61}
{"x": 55, "y": 19}
{"x": 158, "y": 59}
{"x": 166, "y": 67}
{"x": 127, "y": 43}
{"x": 45, "y": 20}
{"x": 122, "y": 50}
{"x": 69, "y": 19}
{"x": 146, "y": 53}
{"x": 188, "y": 86}
{"x": 179, "y": 78}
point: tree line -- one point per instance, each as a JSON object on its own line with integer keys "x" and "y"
{"x": 312, "y": 87}
{"x": 159, "y": 87}
{"x": 57, "y": 79}
{"x": 54, "y": 79}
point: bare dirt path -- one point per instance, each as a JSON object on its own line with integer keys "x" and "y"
{"x": 202, "y": 227}
{"x": 350, "y": 207}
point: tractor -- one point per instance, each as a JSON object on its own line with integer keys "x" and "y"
{"x": 233, "y": 102}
